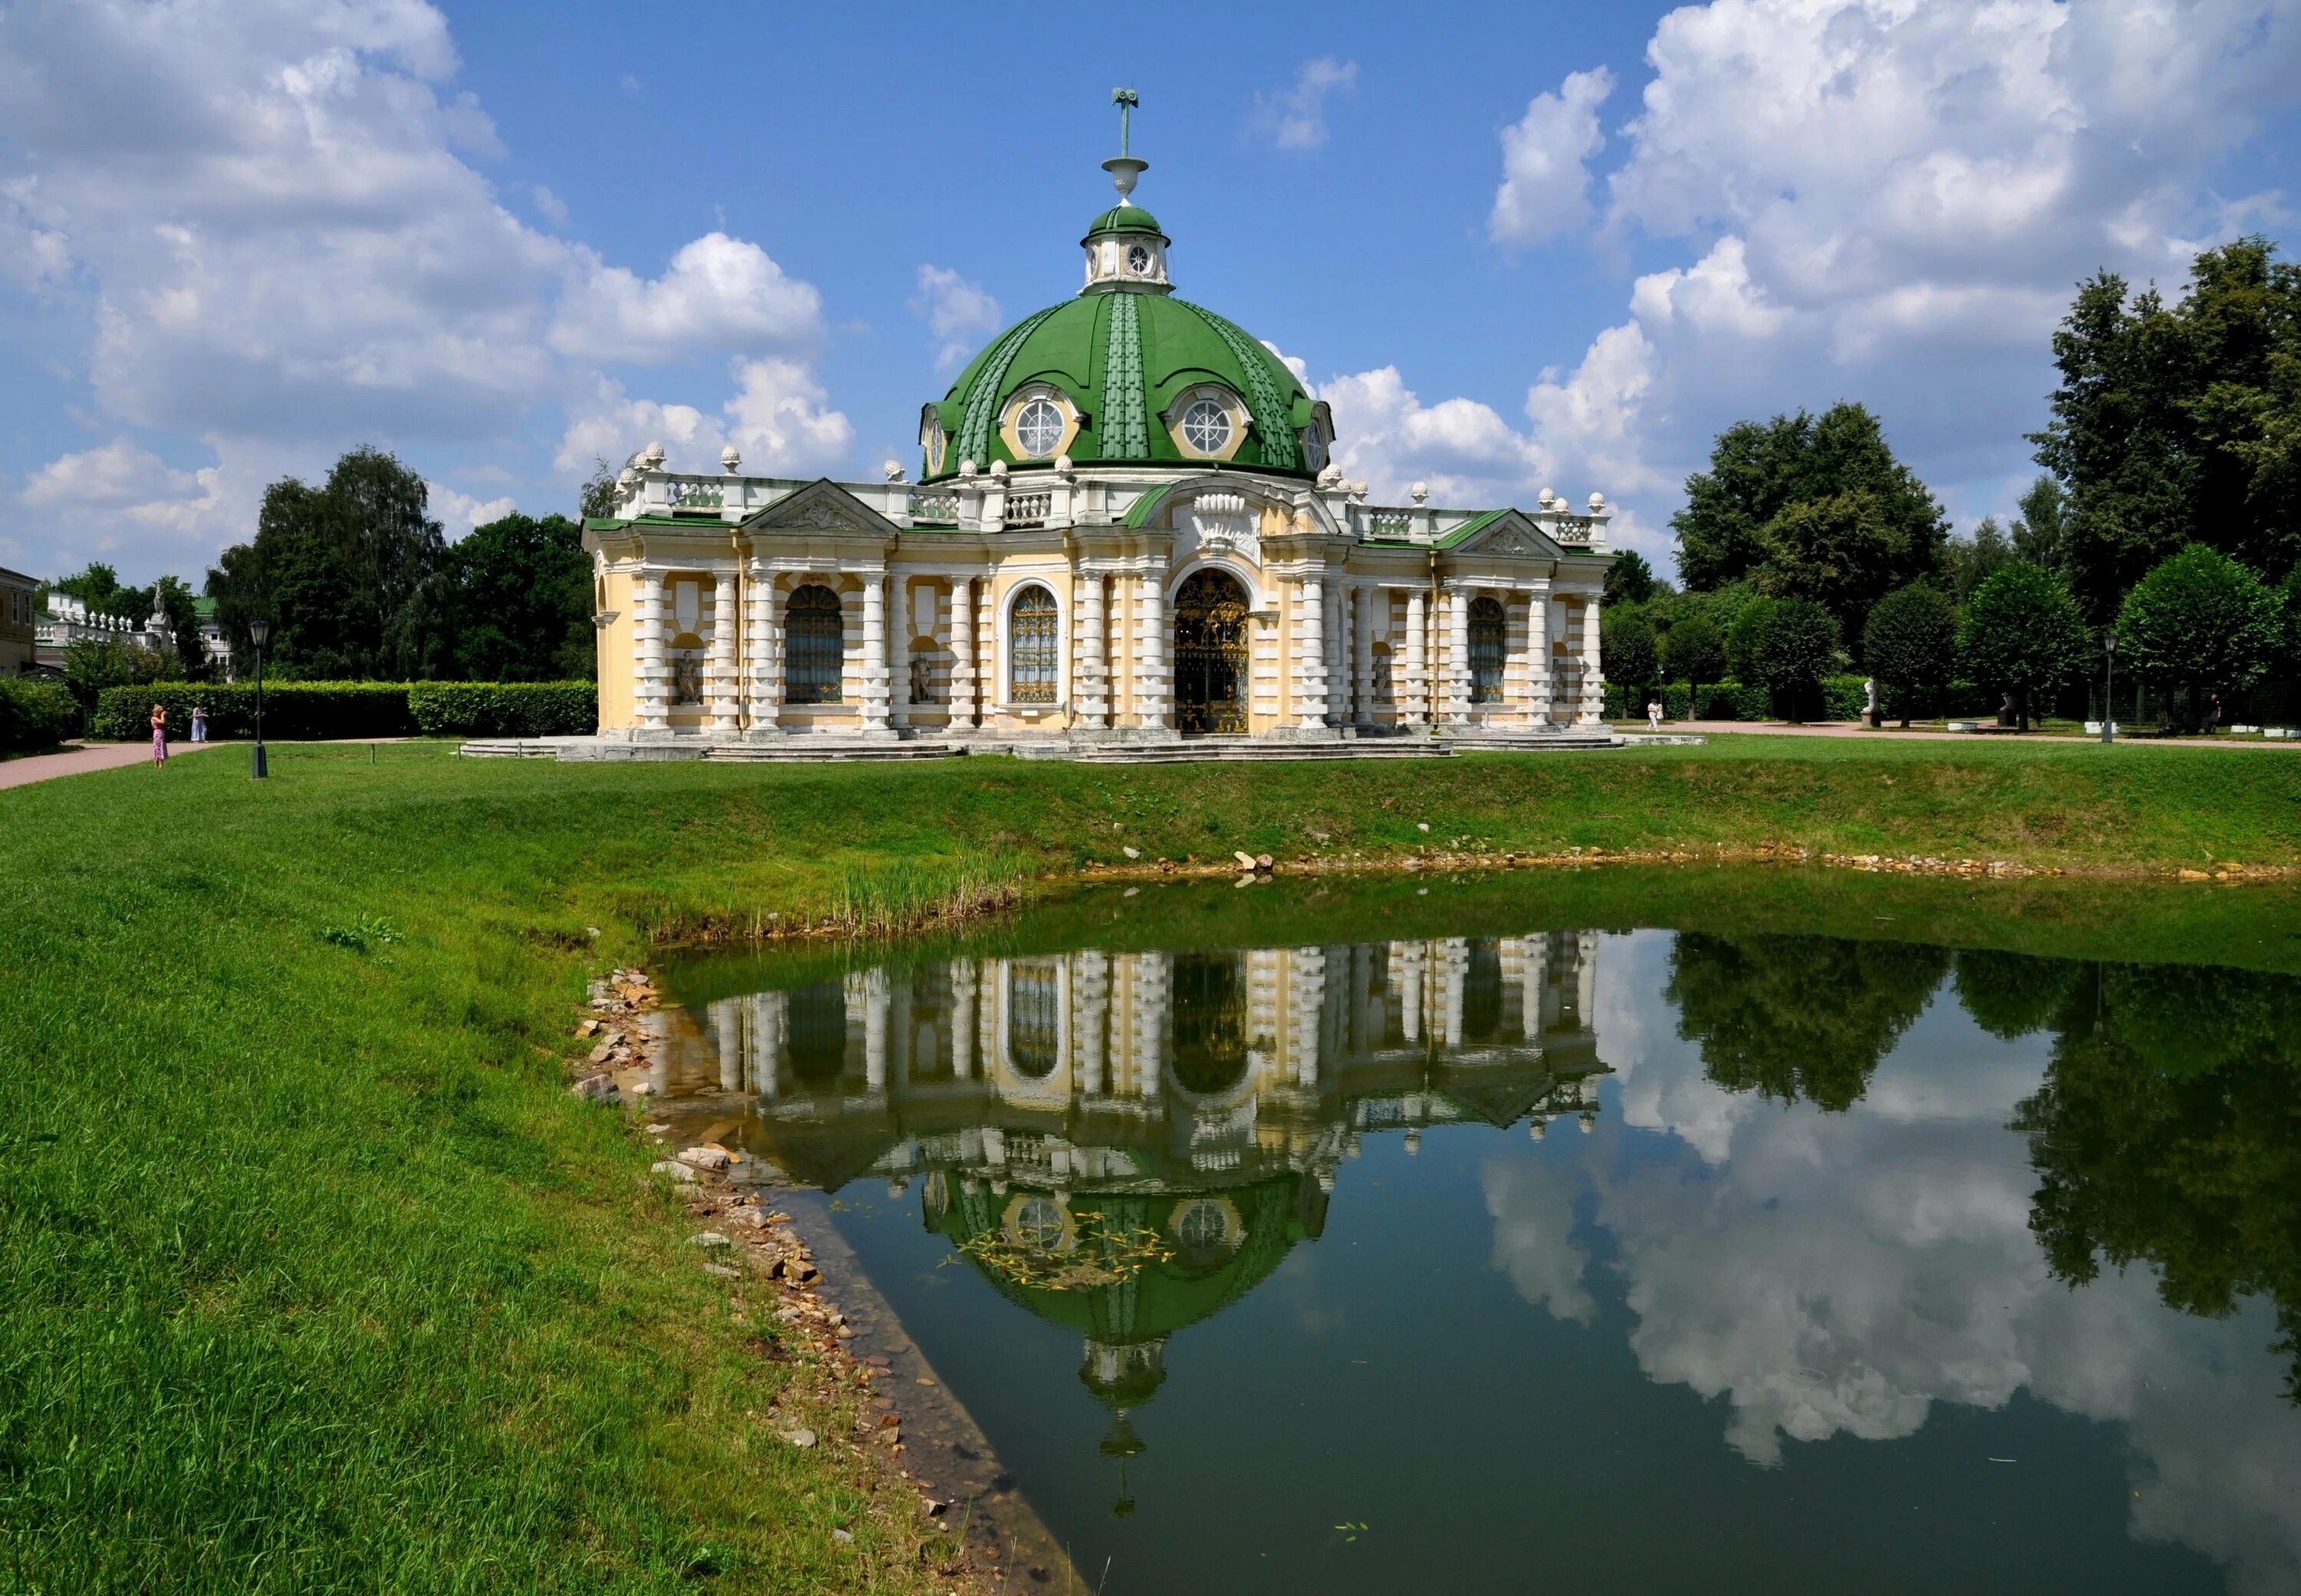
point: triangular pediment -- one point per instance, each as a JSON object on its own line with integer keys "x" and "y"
{"x": 822, "y": 506}
{"x": 1509, "y": 535}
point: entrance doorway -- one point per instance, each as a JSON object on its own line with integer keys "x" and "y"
{"x": 1211, "y": 653}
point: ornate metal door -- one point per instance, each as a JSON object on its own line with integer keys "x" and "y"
{"x": 1211, "y": 653}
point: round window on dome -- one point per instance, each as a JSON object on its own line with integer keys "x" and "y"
{"x": 1039, "y": 428}
{"x": 1138, "y": 259}
{"x": 1206, "y": 427}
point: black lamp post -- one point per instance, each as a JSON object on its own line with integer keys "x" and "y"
{"x": 2108, "y": 680}
{"x": 259, "y": 633}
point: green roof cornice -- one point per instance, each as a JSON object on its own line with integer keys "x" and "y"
{"x": 1470, "y": 528}
{"x": 1124, "y": 218}
{"x": 1139, "y": 513}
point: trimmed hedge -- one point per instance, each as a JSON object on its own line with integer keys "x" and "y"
{"x": 506, "y": 708}
{"x": 293, "y": 710}
{"x": 36, "y": 714}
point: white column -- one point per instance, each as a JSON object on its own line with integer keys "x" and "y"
{"x": 1090, "y": 1016}
{"x": 874, "y": 654}
{"x": 1150, "y": 651}
{"x": 1306, "y": 1012}
{"x": 1094, "y": 671}
{"x": 725, "y": 707}
{"x": 1531, "y": 976}
{"x": 1537, "y": 657}
{"x": 1310, "y": 656}
{"x": 1593, "y": 677}
{"x": 1458, "y": 656}
{"x": 1415, "y": 707}
{"x": 763, "y": 650}
{"x": 1409, "y": 992}
{"x": 899, "y": 653}
{"x": 767, "y": 1043}
{"x": 652, "y": 687}
{"x": 1338, "y": 653}
{"x": 1373, "y": 605}
{"x": 963, "y": 674}
{"x": 1150, "y": 989}
{"x": 1586, "y": 979}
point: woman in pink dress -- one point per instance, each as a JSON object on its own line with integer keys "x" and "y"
{"x": 159, "y": 734}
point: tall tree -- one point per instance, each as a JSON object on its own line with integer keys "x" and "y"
{"x": 1797, "y": 649}
{"x": 1695, "y": 652}
{"x": 2198, "y": 624}
{"x": 1974, "y": 561}
{"x": 522, "y": 602}
{"x": 2023, "y": 634}
{"x": 1629, "y": 580}
{"x": 1910, "y": 642}
{"x": 2179, "y": 425}
{"x": 2041, "y": 531}
{"x": 345, "y": 572}
{"x": 1810, "y": 507}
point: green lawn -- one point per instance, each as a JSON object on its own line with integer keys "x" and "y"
{"x": 317, "y": 1281}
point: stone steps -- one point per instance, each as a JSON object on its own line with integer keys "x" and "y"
{"x": 1194, "y": 750}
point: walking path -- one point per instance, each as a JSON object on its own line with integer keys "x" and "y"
{"x": 1856, "y": 729}
{"x": 86, "y": 757}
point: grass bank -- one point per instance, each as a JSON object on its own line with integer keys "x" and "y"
{"x": 317, "y": 1281}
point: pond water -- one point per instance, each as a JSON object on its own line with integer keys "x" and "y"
{"x": 1515, "y": 1255}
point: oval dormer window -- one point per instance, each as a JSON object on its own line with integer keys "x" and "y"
{"x": 1206, "y": 427}
{"x": 1138, "y": 260}
{"x": 1039, "y": 429}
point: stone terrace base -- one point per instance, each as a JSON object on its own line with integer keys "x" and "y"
{"x": 602, "y": 750}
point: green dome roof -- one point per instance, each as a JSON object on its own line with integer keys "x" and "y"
{"x": 1124, "y": 219}
{"x": 1121, "y": 358}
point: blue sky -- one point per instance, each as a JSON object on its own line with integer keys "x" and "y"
{"x": 1515, "y": 246}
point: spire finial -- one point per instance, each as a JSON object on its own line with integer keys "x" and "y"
{"x": 1124, "y": 169}
{"x": 1126, "y": 99}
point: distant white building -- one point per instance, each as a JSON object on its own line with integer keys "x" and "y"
{"x": 67, "y": 620}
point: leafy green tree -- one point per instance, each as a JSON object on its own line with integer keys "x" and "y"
{"x": 1629, "y": 580}
{"x": 1910, "y": 642}
{"x": 596, "y": 498}
{"x": 91, "y": 665}
{"x": 2168, "y": 1132}
{"x": 1626, "y": 639}
{"x": 1974, "y": 561}
{"x": 522, "y": 602}
{"x": 1797, "y": 1017}
{"x": 1693, "y": 651}
{"x": 2023, "y": 634}
{"x": 2041, "y": 531}
{"x": 1810, "y": 507}
{"x": 2179, "y": 425}
{"x": 2289, "y": 621}
{"x": 2199, "y": 623}
{"x": 347, "y": 572}
{"x": 1798, "y": 649}
{"x": 1744, "y": 638}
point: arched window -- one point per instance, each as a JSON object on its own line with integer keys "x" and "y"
{"x": 1032, "y": 655}
{"x": 817, "y": 656}
{"x": 1034, "y": 997}
{"x": 1485, "y": 651}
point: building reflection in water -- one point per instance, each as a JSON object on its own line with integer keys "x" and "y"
{"x": 1124, "y": 1143}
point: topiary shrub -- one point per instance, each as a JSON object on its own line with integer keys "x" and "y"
{"x": 1795, "y": 651}
{"x": 506, "y": 708}
{"x": 2199, "y": 624}
{"x": 36, "y": 714}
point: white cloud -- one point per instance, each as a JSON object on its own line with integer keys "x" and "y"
{"x": 719, "y": 294}
{"x": 266, "y": 217}
{"x": 960, "y": 313}
{"x": 778, "y": 418}
{"x": 554, "y": 208}
{"x": 458, "y": 512}
{"x": 1295, "y": 117}
{"x": 119, "y": 473}
{"x": 1545, "y": 186}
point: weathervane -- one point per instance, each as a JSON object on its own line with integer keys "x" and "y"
{"x": 1124, "y": 168}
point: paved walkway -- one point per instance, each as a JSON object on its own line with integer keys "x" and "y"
{"x": 1856, "y": 729}
{"x": 87, "y": 757}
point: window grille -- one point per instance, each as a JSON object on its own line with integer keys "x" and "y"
{"x": 1485, "y": 651}
{"x": 1032, "y": 655}
{"x": 817, "y": 658}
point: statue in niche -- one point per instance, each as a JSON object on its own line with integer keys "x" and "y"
{"x": 923, "y": 682}
{"x": 687, "y": 679}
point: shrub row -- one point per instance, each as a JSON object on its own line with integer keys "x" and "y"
{"x": 1844, "y": 699}
{"x": 35, "y": 714}
{"x": 312, "y": 711}
{"x": 506, "y": 708}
